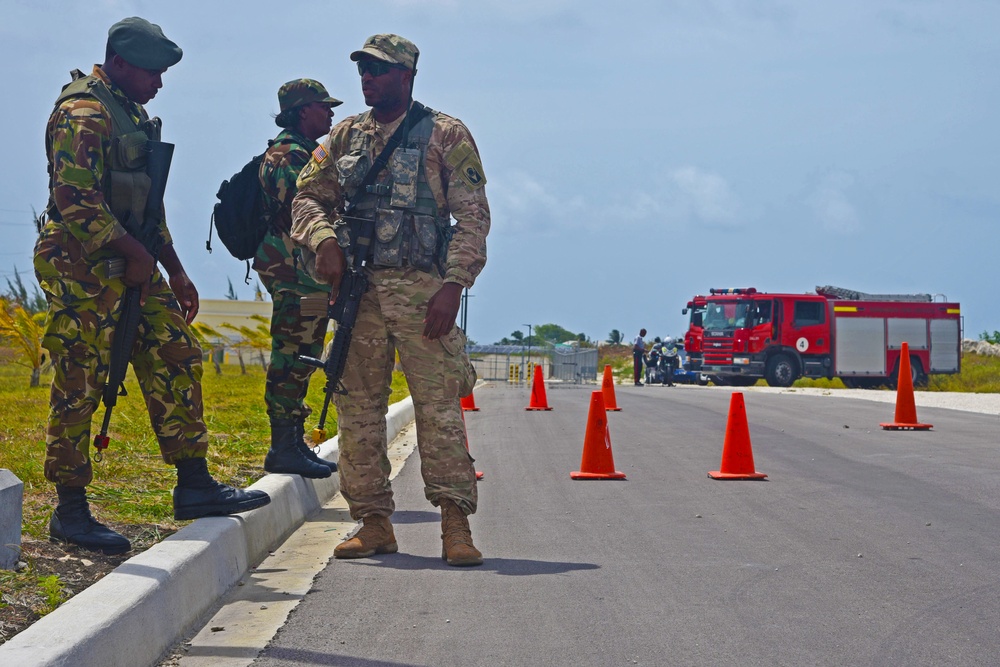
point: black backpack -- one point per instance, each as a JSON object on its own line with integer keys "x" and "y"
{"x": 243, "y": 214}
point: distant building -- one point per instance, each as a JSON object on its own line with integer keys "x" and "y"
{"x": 216, "y": 312}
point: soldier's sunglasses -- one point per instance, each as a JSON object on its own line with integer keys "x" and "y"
{"x": 375, "y": 67}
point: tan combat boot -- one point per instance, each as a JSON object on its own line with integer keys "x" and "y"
{"x": 375, "y": 537}
{"x": 456, "y": 536}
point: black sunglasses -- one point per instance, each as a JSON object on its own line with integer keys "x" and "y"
{"x": 376, "y": 67}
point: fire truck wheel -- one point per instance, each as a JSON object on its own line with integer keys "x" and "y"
{"x": 916, "y": 374}
{"x": 781, "y": 371}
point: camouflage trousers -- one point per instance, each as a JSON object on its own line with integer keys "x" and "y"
{"x": 438, "y": 373}
{"x": 293, "y": 332}
{"x": 81, "y": 320}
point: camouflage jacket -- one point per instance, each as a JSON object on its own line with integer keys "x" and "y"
{"x": 78, "y": 142}
{"x": 454, "y": 174}
{"x": 277, "y": 257}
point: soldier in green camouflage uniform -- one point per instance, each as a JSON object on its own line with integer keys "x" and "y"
{"x": 96, "y": 139}
{"x": 418, "y": 267}
{"x": 298, "y": 315}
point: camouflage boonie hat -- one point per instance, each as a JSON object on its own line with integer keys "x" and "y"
{"x": 390, "y": 48}
{"x": 143, "y": 44}
{"x": 298, "y": 92}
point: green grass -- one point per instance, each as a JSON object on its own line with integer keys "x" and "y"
{"x": 132, "y": 485}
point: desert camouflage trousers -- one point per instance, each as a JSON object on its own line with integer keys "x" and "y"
{"x": 438, "y": 373}
{"x": 81, "y": 320}
{"x": 294, "y": 331}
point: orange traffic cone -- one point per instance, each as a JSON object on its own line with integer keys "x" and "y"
{"x": 737, "y": 457}
{"x": 538, "y": 400}
{"x": 906, "y": 408}
{"x": 469, "y": 403}
{"x": 479, "y": 474}
{"x": 597, "y": 461}
{"x": 608, "y": 389}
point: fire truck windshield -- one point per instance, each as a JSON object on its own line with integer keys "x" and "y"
{"x": 727, "y": 315}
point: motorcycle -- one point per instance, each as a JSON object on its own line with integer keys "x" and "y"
{"x": 661, "y": 364}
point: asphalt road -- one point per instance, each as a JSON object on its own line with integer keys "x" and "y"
{"x": 862, "y": 547}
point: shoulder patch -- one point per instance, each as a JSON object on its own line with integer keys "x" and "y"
{"x": 465, "y": 162}
{"x": 320, "y": 154}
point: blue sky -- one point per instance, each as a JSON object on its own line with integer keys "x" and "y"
{"x": 636, "y": 153}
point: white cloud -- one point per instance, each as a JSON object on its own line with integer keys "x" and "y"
{"x": 524, "y": 202}
{"x": 687, "y": 196}
{"x": 704, "y": 197}
{"x": 831, "y": 203}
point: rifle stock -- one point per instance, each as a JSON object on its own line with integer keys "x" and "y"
{"x": 127, "y": 328}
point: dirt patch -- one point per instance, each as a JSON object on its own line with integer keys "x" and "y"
{"x": 23, "y": 597}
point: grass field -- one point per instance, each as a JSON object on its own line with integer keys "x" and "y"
{"x": 132, "y": 484}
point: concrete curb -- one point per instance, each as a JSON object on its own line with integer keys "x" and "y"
{"x": 133, "y": 615}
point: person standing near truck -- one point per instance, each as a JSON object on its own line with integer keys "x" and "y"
{"x": 638, "y": 353}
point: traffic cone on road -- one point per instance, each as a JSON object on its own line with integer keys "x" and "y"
{"x": 737, "y": 456}
{"x": 906, "y": 408}
{"x": 597, "y": 463}
{"x": 608, "y": 389}
{"x": 479, "y": 474}
{"x": 538, "y": 399}
{"x": 469, "y": 403}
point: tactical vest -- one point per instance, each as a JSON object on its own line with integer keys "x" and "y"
{"x": 124, "y": 183}
{"x": 408, "y": 228}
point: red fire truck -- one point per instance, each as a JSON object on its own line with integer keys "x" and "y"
{"x": 747, "y": 335}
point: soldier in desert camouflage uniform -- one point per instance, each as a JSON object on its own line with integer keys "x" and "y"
{"x": 96, "y": 139}
{"x": 306, "y": 113}
{"x": 418, "y": 267}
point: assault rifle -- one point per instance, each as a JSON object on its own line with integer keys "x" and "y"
{"x": 159, "y": 155}
{"x": 344, "y": 311}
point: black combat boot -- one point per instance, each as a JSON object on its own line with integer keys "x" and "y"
{"x": 197, "y": 494}
{"x": 310, "y": 452}
{"x": 72, "y": 523}
{"x": 287, "y": 453}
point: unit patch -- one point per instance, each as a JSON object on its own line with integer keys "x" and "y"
{"x": 466, "y": 164}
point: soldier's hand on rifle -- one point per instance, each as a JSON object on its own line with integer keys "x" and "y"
{"x": 330, "y": 262}
{"x": 442, "y": 309}
{"x": 139, "y": 264}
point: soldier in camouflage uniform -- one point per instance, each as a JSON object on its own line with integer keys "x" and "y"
{"x": 306, "y": 113}
{"x": 418, "y": 267}
{"x": 96, "y": 142}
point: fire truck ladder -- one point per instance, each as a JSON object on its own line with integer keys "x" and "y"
{"x": 832, "y": 292}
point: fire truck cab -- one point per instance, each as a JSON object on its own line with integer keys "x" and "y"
{"x": 748, "y": 335}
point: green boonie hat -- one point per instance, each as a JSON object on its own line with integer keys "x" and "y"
{"x": 390, "y": 48}
{"x": 298, "y": 92}
{"x": 143, "y": 44}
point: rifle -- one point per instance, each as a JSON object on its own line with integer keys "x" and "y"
{"x": 354, "y": 282}
{"x": 127, "y": 328}
{"x": 344, "y": 311}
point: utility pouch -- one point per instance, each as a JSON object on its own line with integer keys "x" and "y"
{"x": 388, "y": 239}
{"x": 404, "y": 166}
{"x": 130, "y": 150}
{"x": 129, "y": 192}
{"x": 351, "y": 170}
{"x": 423, "y": 244}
